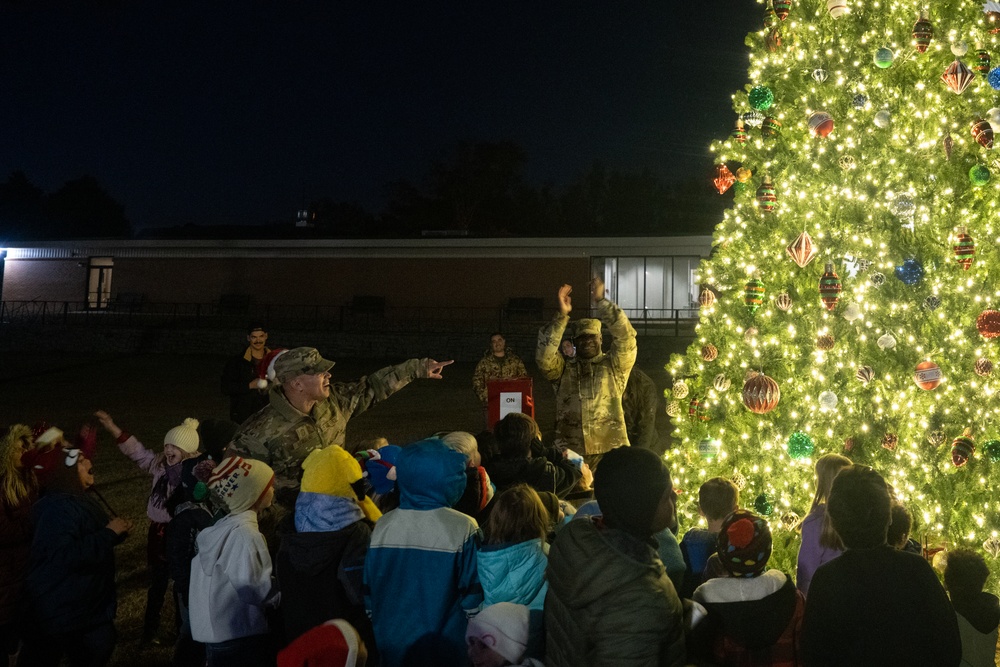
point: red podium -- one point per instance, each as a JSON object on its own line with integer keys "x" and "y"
{"x": 506, "y": 396}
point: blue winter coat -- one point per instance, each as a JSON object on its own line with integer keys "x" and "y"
{"x": 514, "y": 573}
{"x": 421, "y": 583}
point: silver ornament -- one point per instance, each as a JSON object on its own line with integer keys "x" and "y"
{"x": 936, "y": 438}
{"x": 932, "y": 302}
{"x": 789, "y": 520}
{"x": 886, "y": 342}
{"x": 992, "y": 546}
{"x": 882, "y": 119}
{"x": 721, "y": 382}
{"x": 847, "y": 162}
{"x": 738, "y": 480}
{"x": 860, "y": 101}
{"x": 878, "y": 279}
{"x": 959, "y": 48}
{"x": 820, "y": 75}
{"x": 828, "y": 400}
{"x": 783, "y": 302}
{"x": 903, "y": 207}
{"x": 750, "y": 334}
{"x": 865, "y": 374}
{"x": 853, "y": 312}
{"x": 753, "y": 118}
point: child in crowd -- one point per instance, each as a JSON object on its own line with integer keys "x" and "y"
{"x": 479, "y": 490}
{"x": 899, "y": 526}
{"x": 231, "y": 582}
{"x": 334, "y": 644}
{"x": 558, "y": 511}
{"x": 717, "y": 499}
{"x": 978, "y": 612}
{"x": 320, "y": 566}
{"x": 524, "y": 459}
{"x": 498, "y": 636}
{"x": 514, "y": 556}
{"x": 820, "y": 543}
{"x": 754, "y": 614}
{"x": 180, "y": 442}
{"x": 420, "y": 571}
{"x": 380, "y": 472}
{"x": 69, "y": 592}
{"x": 18, "y": 491}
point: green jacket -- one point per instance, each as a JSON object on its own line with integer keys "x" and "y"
{"x": 589, "y": 416}
{"x": 282, "y": 437}
{"x": 609, "y": 602}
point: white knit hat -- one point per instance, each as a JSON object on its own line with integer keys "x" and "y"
{"x": 240, "y": 482}
{"x": 184, "y": 437}
{"x": 502, "y": 627}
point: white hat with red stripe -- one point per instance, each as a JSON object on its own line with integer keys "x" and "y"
{"x": 241, "y": 482}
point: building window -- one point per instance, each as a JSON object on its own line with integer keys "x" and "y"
{"x": 651, "y": 287}
{"x": 99, "y": 282}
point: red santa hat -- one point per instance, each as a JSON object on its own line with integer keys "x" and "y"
{"x": 333, "y": 644}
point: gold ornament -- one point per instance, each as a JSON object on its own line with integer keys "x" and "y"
{"x": 802, "y": 251}
{"x": 707, "y": 298}
{"x": 721, "y": 382}
{"x": 673, "y": 408}
{"x": 709, "y": 352}
{"x": 680, "y": 389}
{"x": 824, "y": 342}
{"x": 984, "y": 367}
{"x": 761, "y": 394}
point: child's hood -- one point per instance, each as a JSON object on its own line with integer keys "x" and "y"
{"x": 226, "y": 541}
{"x": 430, "y": 475}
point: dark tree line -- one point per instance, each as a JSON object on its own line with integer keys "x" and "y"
{"x": 81, "y": 208}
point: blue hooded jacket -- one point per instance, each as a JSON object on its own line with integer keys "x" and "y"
{"x": 421, "y": 583}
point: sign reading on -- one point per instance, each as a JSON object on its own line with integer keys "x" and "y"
{"x": 509, "y": 402}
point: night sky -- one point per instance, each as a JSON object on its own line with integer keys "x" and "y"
{"x": 225, "y": 112}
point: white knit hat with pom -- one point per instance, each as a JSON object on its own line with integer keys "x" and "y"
{"x": 184, "y": 437}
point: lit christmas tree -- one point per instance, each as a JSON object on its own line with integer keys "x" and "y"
{"x": 853, "y": 295}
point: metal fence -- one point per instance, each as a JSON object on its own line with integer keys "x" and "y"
{"x": 350, "y": 319}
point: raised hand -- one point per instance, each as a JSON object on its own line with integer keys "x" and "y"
{"x": 108, "y": 423}
{"x": 565, "y": 303}
{"x": 597, "y": 290}
{"x": 434, "y": 367}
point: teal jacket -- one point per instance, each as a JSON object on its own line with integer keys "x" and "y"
{"x": 516, "y": 573}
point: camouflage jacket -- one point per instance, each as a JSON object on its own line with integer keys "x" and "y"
{"x": 282, "y": 437}
{"x": 496, "y": 368}
{"x": 639, "y": 403}
{"x": 589, "y": 417}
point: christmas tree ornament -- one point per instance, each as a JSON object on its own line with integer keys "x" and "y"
{"x": 979, "y": 175}
{"x": 743, "y": 175}
{"x": 865, "y": 375}
{"x": 708, "y": 448}
{"x": 910, "y": 272}
{"x": 947, "y": 143}
{"x": 983, "y": 367}
{"x": 782, "y": 7}
{"x": 789, "y": 520}
{"x": 680, "y": 389}
{"x": 673, "y": 408}
{"x": 991, "y": 11}
{"x": 827, "y": 400}
{"x": 886, "y": 342}
{"x": 709, "y": 352}
{"x": 988, "y": 324}
{"x": 993, "y": 78}
{"x": 825, "y": 342}
{"x": 761, "y": 394}
{"x": 829, "y": 287}
{"x": 802, "y": 251}
{"x": 883, "y": 58}
{"x": 932, "y": 302}
{"x": 820, "y": 124}
{"x": 982, "y": 64}
{"x": 753, "y": 294}
{"x": 772, "y": 40}
{"x": 982, "y": 132}
{"x": 923, "y": 31}
{"x": 962, "y": 448}
{"x": 783, "y": 302}
{"x": 837, "y": 8}
{"x": 739, "y": 133}
{"x": 739, "y": 480}
{"x": 761, "y": 98}
{"x": 847, "y": 162}
{"x": 800, "y": 445}
{"x": 992, "y": 450}
{"x": 992, "y": 546}
{"x": 849, "y": 444}
{"x": 770, "y": 128}
{"x": 959, "y": 48}
{"x": 903, "y": 206}
{"x": 706, "y": 298}
{"x": 936, "y": 438}
{"x": 820, "y": 75}
{"x": 750, "y": 334}
{"x": 927, "y": 375}
{"x": 721, "y": 382}
{"x": 853, "y": 313}
{"x": 882, "y": 119}
{"x": 763, "y": 505}
{"x": 860, "y": 101}
{"x": 770, "y": 18}
{"x": 965, "y": 249}
{"x": 698, "y": 410}
{"x": 877, "y": 279}
{"x": 957, "y": 77}
{"x": 767, "y": 196}
{"x": 889, "y": 441}
{"x": 724, "y": 178}
{"x": 753, "y": 118}
{"x": 993, "y": 115}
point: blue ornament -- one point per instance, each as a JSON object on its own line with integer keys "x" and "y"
{"x": 994, "y": 78}
{"x": 860, "y": 101}
{"x": 910, "y": 272}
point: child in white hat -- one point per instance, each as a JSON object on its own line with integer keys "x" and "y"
{"x": 498, "y": 636}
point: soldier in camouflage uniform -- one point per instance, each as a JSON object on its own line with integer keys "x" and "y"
{"x": 498, "y": 363}
{"x": 305, "y": 412}
{"x": 589, "y": 386}
{"x": 640, "y": 404}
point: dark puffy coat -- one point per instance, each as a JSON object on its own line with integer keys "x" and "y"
{"x": 551, "y": 472}
{"x": 609, "y": 602}
{"x": 16, "y": 529}
{"x": 181, "y": 535}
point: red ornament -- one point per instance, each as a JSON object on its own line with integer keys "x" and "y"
{"x": 848, "y": 444}
{"x": 927, "y": 375}
{"x": 767, "y": 196}
{"x": 962, "y": 448}
{"x": 724, "y": 178}
{"x": 698, "y": 409}
{"x": 957, "y": 77}
{"x": 821, "y": 124}
{"x": 781, "y": 8}
{"x": 988, "y": 324}
{"x": 965, "y": 249}
{"x": 982, "y": 132}
{"x": 739, "y": 134}
{"x": 761, "y": 394}
{"x": 922, "y": 33}
{"x": 829, "y": 288}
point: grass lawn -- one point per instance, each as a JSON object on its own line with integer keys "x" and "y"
{"x": 149, "y": 395}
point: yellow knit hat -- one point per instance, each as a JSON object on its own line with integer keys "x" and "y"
{"x": 331, "y": 471}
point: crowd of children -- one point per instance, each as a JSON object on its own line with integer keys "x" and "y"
{"x": 458, "y": 550}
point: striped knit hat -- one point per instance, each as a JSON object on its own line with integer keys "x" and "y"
{"x": 240, "y": 482}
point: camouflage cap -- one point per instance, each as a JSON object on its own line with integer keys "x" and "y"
{"x": 587, "y": 326}
{"x": 300, "y": 361}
